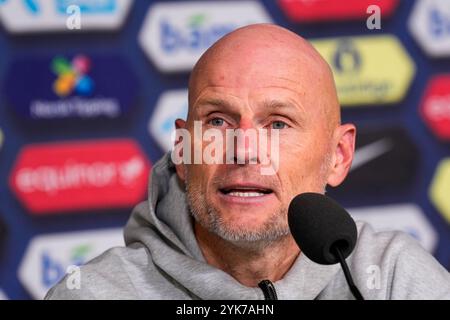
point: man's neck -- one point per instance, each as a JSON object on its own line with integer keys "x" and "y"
{"x": 248, "y": 265}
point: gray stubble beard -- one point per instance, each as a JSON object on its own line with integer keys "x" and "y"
{"x": 274, "y": 229}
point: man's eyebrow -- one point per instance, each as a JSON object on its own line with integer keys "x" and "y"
{"x": 215, "y": 102}
{"x": 294, "y": 110}
{"x": 277, "y": 105}
{"x": 270, "y": 105}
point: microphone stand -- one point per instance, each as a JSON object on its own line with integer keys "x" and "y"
{"x": 353, "y": 288}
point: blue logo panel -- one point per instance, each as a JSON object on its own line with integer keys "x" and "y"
{"x": 77, "y": 86}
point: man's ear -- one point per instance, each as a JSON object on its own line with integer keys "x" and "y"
{"x": 342, "y": 154}
{"x": 180, "y": 168}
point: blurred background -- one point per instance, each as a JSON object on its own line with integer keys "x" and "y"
{"x": 89, "y": 90}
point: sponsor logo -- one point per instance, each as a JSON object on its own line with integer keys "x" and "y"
{"x": 175, "y": 35}
{"x": 368, "y": 70}
{"x": 435, "y": 107}
{"x": 408, "y": 218}
{"x": 171, "y": 105}
{"x": 385, "y": 160}
{"x": 440, "y": 188}
{"x": 48, "y": 257}
{"x": 72, "y": 76}
{"x": 78, "y": 87}
{"x": 370, "y": 152}
{"x": 88, "y": 6}
{"x": 31, "y": 16}
{"x": 330, "y": 10}
{"x": 62, "y": 177}
{"x": 429, "y": 24}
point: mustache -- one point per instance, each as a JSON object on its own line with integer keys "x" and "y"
{"x": 224, "y": 177}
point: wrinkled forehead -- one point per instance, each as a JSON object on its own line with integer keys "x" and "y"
{"x": 260, "y": 69}
{"x": 265, "y": 73}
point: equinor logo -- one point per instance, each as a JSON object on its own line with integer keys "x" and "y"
{"x": 174, "y": 35}
{"x": 71, "y": 176}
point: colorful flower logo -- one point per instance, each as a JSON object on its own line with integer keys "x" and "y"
{"x": 72, "y": 76}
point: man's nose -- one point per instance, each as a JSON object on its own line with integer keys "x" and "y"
{"x": 245, "y": 144}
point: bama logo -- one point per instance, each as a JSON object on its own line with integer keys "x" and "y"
{"x": 175, "y": 35}
{"x": 33, "y": 16}
{"x": 48, "y": 257}
{"x": 332, "y": 10}
{"x": 406, "y": 217}
{"x": 429, "y": 24}
{"x": 72, "y": 176}
{"x": 79, "y": 86}
{"x": 368, "y": 70}
{"x": 171, "y": 105}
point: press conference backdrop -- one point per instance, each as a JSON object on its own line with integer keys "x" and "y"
{"x": 85, "y": 112}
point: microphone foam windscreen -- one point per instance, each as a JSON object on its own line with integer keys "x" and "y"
{"x": 316, "y": 223}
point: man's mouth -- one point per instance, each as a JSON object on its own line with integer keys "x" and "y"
{"x": 245, "y": 191}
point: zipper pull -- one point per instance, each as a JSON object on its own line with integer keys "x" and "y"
{"x": 268, "y": 289}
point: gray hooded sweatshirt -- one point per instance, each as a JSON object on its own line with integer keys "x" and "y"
{"x": 162, "y": 260}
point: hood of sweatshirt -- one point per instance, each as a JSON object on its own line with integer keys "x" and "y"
{"x": 164, "y": 226}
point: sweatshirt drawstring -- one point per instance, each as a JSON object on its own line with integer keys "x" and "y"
{"x": 268, "y": 289}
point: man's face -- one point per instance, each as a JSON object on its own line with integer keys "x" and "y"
{"x": 235, "y": 201}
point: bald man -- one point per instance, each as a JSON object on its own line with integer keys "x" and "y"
{"x": 218, "y": 230}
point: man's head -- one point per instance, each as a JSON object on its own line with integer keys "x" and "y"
{"x": 264, "y": 76}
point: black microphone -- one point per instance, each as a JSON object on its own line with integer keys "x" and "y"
{"x": 324, "y": 231}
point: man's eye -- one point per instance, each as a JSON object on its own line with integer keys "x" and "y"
{"x": 278, "y": 125}
{"x": 216, "y": 122}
